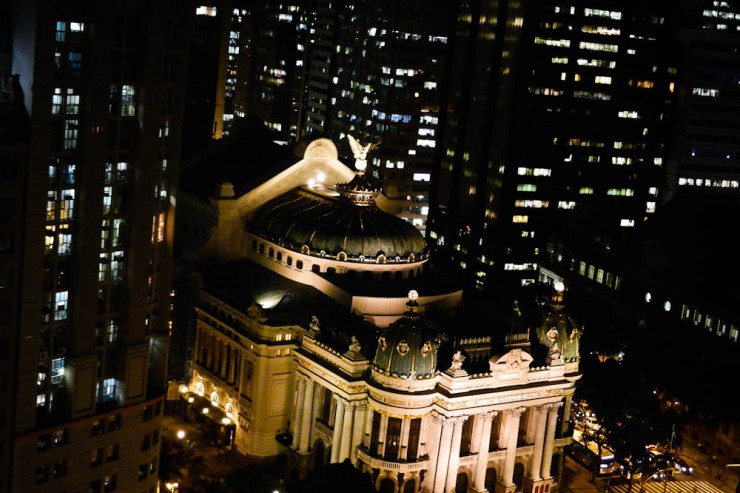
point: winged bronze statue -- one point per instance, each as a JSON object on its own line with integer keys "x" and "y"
{"x": 360, "y": 152}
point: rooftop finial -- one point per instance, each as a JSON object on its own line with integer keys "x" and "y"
{"x": 412, "y": 304}
{"x": 360, "y": 153}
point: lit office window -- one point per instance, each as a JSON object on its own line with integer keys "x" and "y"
{"x": 206, "y": 10}
{"x": 61, "y": 301}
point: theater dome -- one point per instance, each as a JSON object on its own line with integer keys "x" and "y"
{"x": 408, "y": 347}
{"x": 338, "y": 221}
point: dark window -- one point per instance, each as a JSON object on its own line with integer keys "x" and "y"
{"x": 60, "y": 437}
{"x": 299, "y": 265}
{"x": 96, "y": 457}
{"x": 393, "y": 438}
{"x": 43, "y": 442}
{"x": 110, "y": 483}
{"x": 111, "y": 452}
{"x": 6, "y": 242}
{"x": 59, "y": 469}
{"x": 98, "y": 427}
{"x": 290, "y": 260}
{"x": 95, "y": 486}
{"x": 374, "y": 436}
{"x": 414, "y": 432}
{"x": 146, "y": 442}
{"x": 42, "y": 474}
{"x": 114, "y": 422}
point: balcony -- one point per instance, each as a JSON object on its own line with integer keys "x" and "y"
{"x": 401, "y": 467}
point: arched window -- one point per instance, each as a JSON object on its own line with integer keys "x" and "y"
{"x": 214, "y": 398}
{"x": 200, "y": 388}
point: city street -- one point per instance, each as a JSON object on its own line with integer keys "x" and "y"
{"x": 704, "y": 479}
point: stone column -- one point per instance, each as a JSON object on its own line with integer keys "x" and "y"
{"x": 209, "y": 352}
{"x": 424, "y": 435}
{"x": 237, "y": 368}
{"x": 512, "y": 436}
{"x": 485, "y": 442}
{"x": 540, "y": 413}
{"x": 552, "y": 420}
{"x": 338, "y": 425}
{"x": 347, "y": 424}
{"x": 381, "y": 435}
{"x": 443, "y": 456}
{"x": 316, "y": 409}
{"x": 566, "y": 413}
{"x": 358, "y": 428}
{"x": 298, "y": 411}
{"x": 404, "y": 443}
{"x": 368, "y": 429}
{"x": 475, "y": 434}
{"x": 233, "y": 364}
{"x": 502, "y": 429}
{"x": 531, "y": 426}
{"x": 306, "y": 417}
{"x": 435, "y": 430}
{"x": 454, "y": 462}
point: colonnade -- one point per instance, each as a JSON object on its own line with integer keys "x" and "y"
{"x": 218, "y": 356}
{"x": 440, "y": 438}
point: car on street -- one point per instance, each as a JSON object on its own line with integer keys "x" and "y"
{"x": 682, "y": 466}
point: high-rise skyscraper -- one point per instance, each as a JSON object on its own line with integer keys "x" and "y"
{"x": 555, "y": 112}
{"x": 90, "y": 238}
{"x": 705, "y": 154}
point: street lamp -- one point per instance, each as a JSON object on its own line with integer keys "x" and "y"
{"x": 181, "y": 434}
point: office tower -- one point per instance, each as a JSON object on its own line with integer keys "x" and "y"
{"x": 102, "y": 86}
{"x": 556, "y": 113}
{"x": 207, "y": 73}
{"x": 269, "y": 60}
{"x": 705, "y": 153}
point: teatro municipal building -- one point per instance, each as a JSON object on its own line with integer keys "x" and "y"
{"x": 321, "y": 337}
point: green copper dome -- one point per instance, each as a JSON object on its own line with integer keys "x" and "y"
{"x": 558, "y": 331}
{"x": 408, "y": 347}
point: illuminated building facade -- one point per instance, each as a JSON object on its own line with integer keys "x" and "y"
{"x": 312, "y": 341}
{"x": 555, "y": 112}
{"x": 706, "y": 155}
{"x": 102, "y": 89}
{"x": 266, "y": 81}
